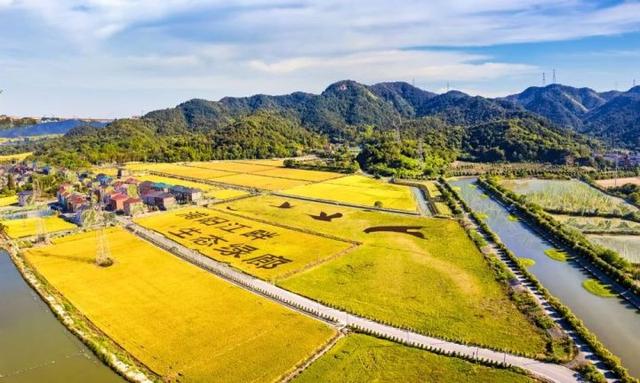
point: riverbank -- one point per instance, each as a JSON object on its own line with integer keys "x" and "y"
{"x": 102, "y": 346}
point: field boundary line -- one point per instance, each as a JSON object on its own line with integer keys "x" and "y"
{"x": 313, "y": 357}
{"x": 341, "y": 318}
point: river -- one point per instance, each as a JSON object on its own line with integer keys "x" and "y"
{"x": 34, "y": 346}
{"x": 613, "y": 320}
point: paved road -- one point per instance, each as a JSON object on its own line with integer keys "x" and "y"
{"x": 340, "y": 318}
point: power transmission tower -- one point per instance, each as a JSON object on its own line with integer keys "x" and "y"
{"x": 103, "y": 254}
{"x": 554, "y": 76}
{"x": 544, "y": 79}
{"x": 41, "y": 226}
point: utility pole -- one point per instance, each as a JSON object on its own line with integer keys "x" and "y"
{"x": 544, "y": 79}
{"x": 554, "y": 76}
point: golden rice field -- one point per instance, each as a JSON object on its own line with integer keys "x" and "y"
{"x": 267, "y": 162}
{"x": 209, "y": 190}
{"x": 264, "y": 250}
{"x": 232, "y": 166}
{"x": 27, "y": 227}
{"x": 7, "y": 201}
{"x": 359, "y": 190}
{"x": 424, "y": 273}
{"x": 260, "y": 182}
{"x": 15, "y": 157}
{"x": 618, "y": 181}
{"x": 182, "y": 322}
{"x": 300, "y": 174}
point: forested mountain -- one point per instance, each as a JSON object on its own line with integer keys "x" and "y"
{"x": 612, "y": 116}
{"x": 618, "y": 120}
{"x": 400, "y": 128}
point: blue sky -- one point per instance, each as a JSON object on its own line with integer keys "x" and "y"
{"x": 102, "y": 58}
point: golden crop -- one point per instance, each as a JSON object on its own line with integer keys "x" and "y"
{"x": 184, "y": 323}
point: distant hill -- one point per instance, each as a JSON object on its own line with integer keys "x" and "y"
{"x": 54, "y": 127}
{"x": 612, "y": 116}
{"x": 618, "y": 120}
{"x": 404, "y": 129}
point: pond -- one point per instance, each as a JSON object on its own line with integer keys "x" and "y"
{"x": 613, "y": 320}
{"x": 35, "y": 346}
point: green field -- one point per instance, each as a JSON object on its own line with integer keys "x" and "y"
{"x": 439, "y": 284}
{"x": 568, "y": 195}
{"x": 361, "y": 359}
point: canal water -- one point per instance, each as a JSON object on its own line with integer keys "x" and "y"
{"x": 613, "y": 320}
{"x": 34, "y": 346}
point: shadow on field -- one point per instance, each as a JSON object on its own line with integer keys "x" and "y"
{"x": 410, "y": 230}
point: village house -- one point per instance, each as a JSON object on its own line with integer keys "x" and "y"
{"x": 133, "y": 206}
{"x": 116, "y": 201}
{"x": 184, "y": 194}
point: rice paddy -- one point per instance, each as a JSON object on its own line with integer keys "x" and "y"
{"x": 568, "y": 196}
{"x": 599, "y": 224}
{"x": 8, "y": 201}
{"x": 457, "y": 297}
{"x": 359, "y": 190}
{"x": 618, "y": 182}
{"x": 361, "y": 359}
{"x": 27, "y": 227}
{"x": 260, "y": 182}
{"x": 182, "y": 322}
{"x": 264, "y": 250}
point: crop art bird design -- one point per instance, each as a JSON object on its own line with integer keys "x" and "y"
{"x": 325, "y": 217}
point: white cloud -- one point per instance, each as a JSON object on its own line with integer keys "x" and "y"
{"x": 217, "y": 48}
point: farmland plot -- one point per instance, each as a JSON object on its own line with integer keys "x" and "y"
{"x": 361, "y": 359}
{"x": 424, "y": 273}
{"x": 599, "y": 223}
{"x": 180, "y": 321}
{"x": 568, "y": 195}
{"x": 359, "y": 190}
{"x": 27, "y": 227}
{"x": 264, "y": 250}
{"x": 260, "y": 182}
{"x": 628, "y": 246}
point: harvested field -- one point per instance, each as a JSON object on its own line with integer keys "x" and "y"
{"x": 182, "y": 322}
{"x": 264, "y": 250}
{"x": 361, "y": 359}
{"x": 458, "y": 295}
{"x": 27, "y": 227}
{"x": 359, "y": 190}
{"x": 618, "y": 182}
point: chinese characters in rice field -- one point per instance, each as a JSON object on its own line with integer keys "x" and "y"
{"x": 226, "y": 245}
